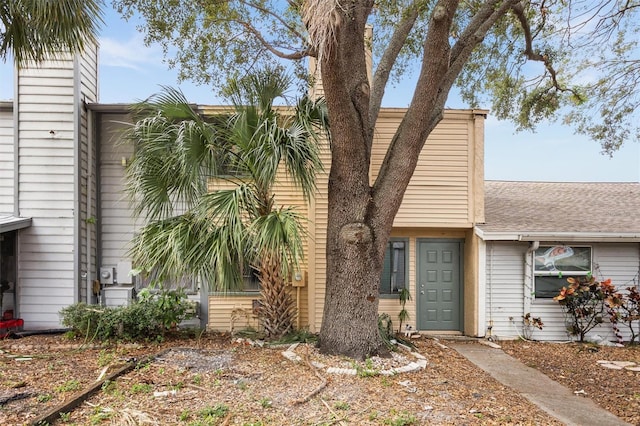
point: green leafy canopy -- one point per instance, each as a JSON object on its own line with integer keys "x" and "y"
{"x": 577, "y": 61}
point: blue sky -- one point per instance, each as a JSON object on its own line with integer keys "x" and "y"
{"x": 130, "y": 71}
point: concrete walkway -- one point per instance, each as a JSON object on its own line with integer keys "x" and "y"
{"x": 550, "y": 396}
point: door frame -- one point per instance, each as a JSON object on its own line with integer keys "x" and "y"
{"x": 460, "y": 242}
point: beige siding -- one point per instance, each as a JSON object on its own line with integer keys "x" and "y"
{"x": 231, "y": 313}
{"x": 286, "y": 195}
{"x": 317, "y": 247}
{"x": 441, "y": 192}
{"x": 234, "y": 312}
{"x": 442, "y": 201}
{"x": 439, "y": 198}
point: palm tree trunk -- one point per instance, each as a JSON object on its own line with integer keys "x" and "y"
{"x": 278, "y": 312}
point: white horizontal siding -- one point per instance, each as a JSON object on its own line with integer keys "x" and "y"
{"x": 26, "y": 89}
{"x": 505, "y": 289}
{"x": 46, "y": 166}
{"x": 117, "y": 226}
{"x": 6, "y": 163}
{"x": 89, "y": 74}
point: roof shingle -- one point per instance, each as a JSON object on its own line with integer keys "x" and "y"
{"x": 561, "y": 207}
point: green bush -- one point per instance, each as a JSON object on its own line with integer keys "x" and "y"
{"x": 149, "y": 317}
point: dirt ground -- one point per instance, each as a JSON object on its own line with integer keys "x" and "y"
{"x": 215, "y": 379}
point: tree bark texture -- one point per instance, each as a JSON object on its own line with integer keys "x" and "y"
{"x": 349, "y": 325}
{"x": 361, "y": 215}
{"x": 277, "y": 313}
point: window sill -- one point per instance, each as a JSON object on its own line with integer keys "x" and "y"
{"x": 390, "y": 296}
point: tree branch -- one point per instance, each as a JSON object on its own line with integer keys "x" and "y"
{"x": 518, "y": 10}
{"x": 280, "y": 54}
{"x": 473, "y": 35}
{"x": 403, "y": 152}
{"x": 277, "y": 17}
{"x": 383, "y": 71}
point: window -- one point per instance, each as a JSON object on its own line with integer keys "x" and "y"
{"x": 554, "y": 264}
{"x": 251, "y": 280}
{"x": 188, "y": 284}
{"x": 394, "y": 271}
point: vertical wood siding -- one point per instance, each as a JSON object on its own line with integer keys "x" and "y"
{"x": 6, "y": 161}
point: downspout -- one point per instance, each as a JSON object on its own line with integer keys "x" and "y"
{"x": 17, "y": 288}
{"x": 490, "y": 289}
{"x": 528, "y": 276}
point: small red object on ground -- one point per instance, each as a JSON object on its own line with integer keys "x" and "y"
{"x": 8, "y": 326}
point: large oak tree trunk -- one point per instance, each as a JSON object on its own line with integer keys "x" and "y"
{"x": 360, "y": 215}
{"x": 354, "y": 260}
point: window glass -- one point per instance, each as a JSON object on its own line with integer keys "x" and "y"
{"x": 394, "y": 270}
{"x": 550, "y": 260}
{"x": 188, "y": 284}
{"x": 251, "y": 279}
{"x": 554, "y": 264}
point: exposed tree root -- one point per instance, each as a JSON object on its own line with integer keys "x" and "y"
{"x": 317, "y": 390}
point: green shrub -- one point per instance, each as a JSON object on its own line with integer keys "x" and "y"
{"x": 147, "y": 318}
{"x": 583, "y": 303}
{"x": 82, "y": 318}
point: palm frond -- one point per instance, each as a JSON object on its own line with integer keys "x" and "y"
{"x": 187, "y": 246}
{"x": 212, "y": 232}
{"x": 174, "y": 155}
{"x": 35, "y": 30}
{"x": 259, "y": 90}
{"x": 280, "y": 235}
{"x": 162, "y": 247}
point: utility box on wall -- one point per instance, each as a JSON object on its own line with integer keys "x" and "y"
{"x": 117, "y": 296}
{"x": 123, "y": 273}
{"x": 106, "y": 275}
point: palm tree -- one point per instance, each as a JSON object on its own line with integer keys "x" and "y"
{"x": 39, "y": 29}
{"x": 206, "y": 187}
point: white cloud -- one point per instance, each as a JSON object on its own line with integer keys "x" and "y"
{"x": 131, "y": 53}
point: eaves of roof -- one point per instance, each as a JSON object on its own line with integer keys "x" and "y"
{"x": 608, "y": 237}
{"x": 12, "y": 223}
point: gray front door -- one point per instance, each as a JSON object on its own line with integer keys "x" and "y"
{"x": 440, "y": 285}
